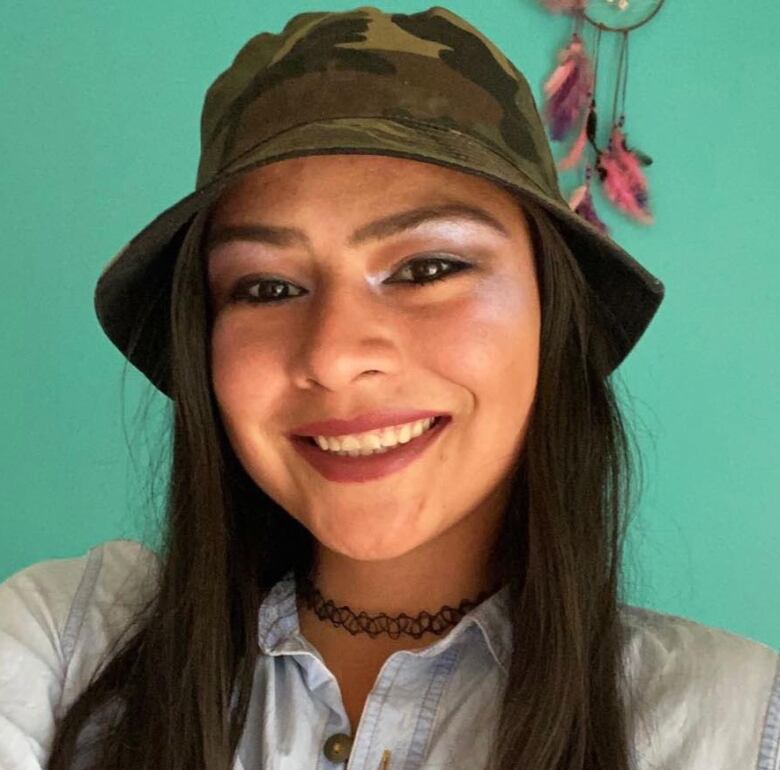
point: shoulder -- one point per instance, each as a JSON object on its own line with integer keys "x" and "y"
{"x": 659, "y": 643}
{"x": 702, "y": 696}
{"x": 57, "y": 620}
{"x": 110, "y": 580}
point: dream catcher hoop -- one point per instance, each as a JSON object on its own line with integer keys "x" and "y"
{"x": 570, "y": 108}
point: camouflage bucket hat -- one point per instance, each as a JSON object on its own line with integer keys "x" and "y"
{"x": 426, "y": 86}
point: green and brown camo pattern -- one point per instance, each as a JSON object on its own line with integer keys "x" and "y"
{"x": 431, "y": 67}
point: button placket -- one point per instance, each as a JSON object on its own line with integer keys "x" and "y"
{"x": 365, "y": 731}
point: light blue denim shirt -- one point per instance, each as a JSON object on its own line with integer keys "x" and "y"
{"x": 430, "y": 707}
{"x": 708, "y": 699}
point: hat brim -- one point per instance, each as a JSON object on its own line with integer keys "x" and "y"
{"x": 629, "y": 294}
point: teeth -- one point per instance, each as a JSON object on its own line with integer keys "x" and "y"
{"x": 374, "y": 442}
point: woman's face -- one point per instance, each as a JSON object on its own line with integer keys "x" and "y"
{"x": 345, "y": 330}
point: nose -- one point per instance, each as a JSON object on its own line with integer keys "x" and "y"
{"x": 348, "y": 332}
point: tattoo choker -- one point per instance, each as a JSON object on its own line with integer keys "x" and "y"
{"x": 374, "y": 625}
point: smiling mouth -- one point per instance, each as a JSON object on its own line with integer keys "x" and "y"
{"x": 310, "y": 440}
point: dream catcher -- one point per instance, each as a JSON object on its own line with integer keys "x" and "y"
{"x": 570, "y": 108}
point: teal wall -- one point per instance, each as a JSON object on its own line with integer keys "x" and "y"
{"x": 101, "y": 109}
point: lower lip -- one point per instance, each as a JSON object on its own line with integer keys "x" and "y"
{"x": 345, "y": 468}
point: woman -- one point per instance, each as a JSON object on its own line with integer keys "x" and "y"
{"x": 400, "y": 477}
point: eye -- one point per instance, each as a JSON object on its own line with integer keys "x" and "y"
{"x": 424, "y": 270}
{"x": 429, "y": 273}
{"x": 266, "y": 295}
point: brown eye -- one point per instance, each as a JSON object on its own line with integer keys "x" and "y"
{"x": 270, "y": 290}
{"x": 428, "y": 269}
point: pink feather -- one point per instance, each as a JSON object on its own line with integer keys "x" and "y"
{"x": 564, "y": 6}
{"x": 575, "y": 152}
{"x": 626, "y": 158}
{"x": 619, "y": 189}
{"x": 581, "y": 203}
{"x": 568, "y": 89}
{"x": 577, "y": 195}
{"x": 560, "y": 74}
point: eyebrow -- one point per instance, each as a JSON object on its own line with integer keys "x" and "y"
{"x": 380, "y": 228}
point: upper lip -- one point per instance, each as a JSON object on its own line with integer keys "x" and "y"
{"x": 363, "y": 422}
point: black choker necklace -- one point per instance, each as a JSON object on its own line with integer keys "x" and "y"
{"x": 373, "y": 625}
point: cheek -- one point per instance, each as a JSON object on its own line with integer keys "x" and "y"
{"x": 240, "y": 364}
{"x": 489, "y": 341}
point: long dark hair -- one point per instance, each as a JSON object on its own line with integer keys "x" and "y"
{"x": 174, "y": 695}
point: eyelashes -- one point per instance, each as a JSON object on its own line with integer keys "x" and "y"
{"x": 424, "y": 277}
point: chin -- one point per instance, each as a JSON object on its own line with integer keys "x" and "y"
{"x": 366, "y": 547}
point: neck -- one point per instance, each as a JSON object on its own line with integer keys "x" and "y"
{"x": 457, "y": 565}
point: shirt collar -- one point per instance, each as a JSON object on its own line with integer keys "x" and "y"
{"x": 278, "y": 629}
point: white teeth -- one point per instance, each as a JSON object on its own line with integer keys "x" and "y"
{"x": 374, "y": 442}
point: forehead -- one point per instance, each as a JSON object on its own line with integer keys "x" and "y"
{"x": 360, "y": 180}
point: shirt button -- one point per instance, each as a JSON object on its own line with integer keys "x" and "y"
{"x": 337, "y": 747}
